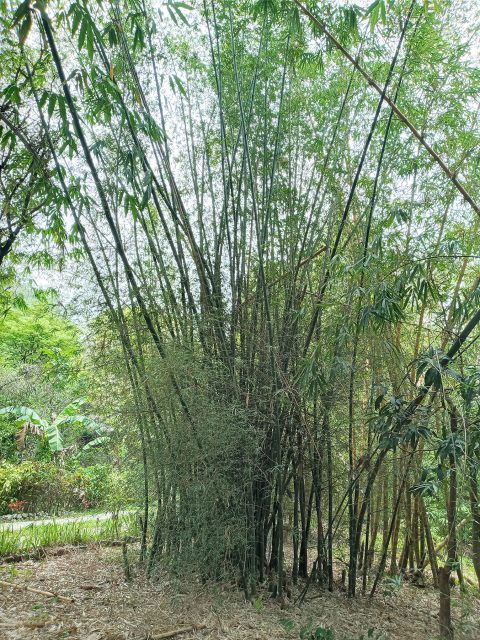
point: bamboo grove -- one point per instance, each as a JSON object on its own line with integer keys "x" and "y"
{"x": 277, "y": 207}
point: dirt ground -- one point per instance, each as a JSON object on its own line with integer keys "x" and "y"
{"x": 106, "y": 607}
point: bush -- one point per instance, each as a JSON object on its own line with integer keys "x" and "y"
{"x": 204, "y": 470}
{"x": 96, "y": 481}
{"x": 43, "y": 486}
{"x": 124, "y": 487}
{"x": 8, "y": 445}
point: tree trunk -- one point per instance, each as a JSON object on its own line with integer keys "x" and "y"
{"x": 445, "y": 615}
{"x": 475, "y": 508}
{"x": 430, "y": 546}
{"x": 445, "y": 618}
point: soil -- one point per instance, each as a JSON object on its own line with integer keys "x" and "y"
{"x": 107, "y": 607}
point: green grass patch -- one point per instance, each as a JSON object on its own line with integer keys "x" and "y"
{"x": 38, "y": 536}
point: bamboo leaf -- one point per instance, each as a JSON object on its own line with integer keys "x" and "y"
{"x": 180, "y": 85}
{"x": 139, "y": 38}
{"x": 83, "y": 33}
{"x": 21, "y": 12}
{"x": 25, "y": 28}
{"x": 77, "y": 18}
{"x": 52, "y": 99}
{"x": 90, "y": 41}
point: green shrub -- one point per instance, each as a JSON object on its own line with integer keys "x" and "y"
{"x": 124, "y": 488}
{"x": 8, "y": 445}
{"x": 96, "y": 483}
{"x": 45, "y": 486}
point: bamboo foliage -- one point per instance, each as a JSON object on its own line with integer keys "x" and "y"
{"x": 264, "y": 236}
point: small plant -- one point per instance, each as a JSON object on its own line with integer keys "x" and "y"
{"x": 258, "y": 604}
{"x": 37, "y": 621}
{"x": 322, "y": 634}
{"x": 310, "y": 632}
{"x": 286, "y": 623}
{"x": 392, "y": 585}
{"x": 370, "y": 634}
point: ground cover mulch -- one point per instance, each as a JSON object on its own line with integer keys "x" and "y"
{"x": 108, "y": 607}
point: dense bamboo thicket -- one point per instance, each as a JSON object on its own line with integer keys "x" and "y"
{"x": 277, "y": 204}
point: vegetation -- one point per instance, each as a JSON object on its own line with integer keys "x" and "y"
{"x": 268, "y": 214}
{"x": 44, "y": 464}
{"x": 44, "y": 487}
{"x": 38, "y": 537}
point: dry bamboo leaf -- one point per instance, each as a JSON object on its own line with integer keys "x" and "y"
{"x": 175, "y": 632}
{"x": 49, "y": 594}
{"x": 90, "y": 587}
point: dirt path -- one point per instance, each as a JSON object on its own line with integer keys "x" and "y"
{"x": 106, "y": 607}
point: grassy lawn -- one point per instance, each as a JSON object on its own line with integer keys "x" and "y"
{"x": 37, "y": 536}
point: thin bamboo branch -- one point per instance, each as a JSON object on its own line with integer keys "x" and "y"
{"x": 400, "y": 115}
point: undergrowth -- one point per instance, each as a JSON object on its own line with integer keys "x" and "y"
{"x": 38, "y": 536}
{"x": 310, "y": 631}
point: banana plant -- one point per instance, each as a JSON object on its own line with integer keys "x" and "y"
{"x": 29, "y": 421}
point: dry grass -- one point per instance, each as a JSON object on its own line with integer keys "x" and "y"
{"x": 108, "y": 608}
